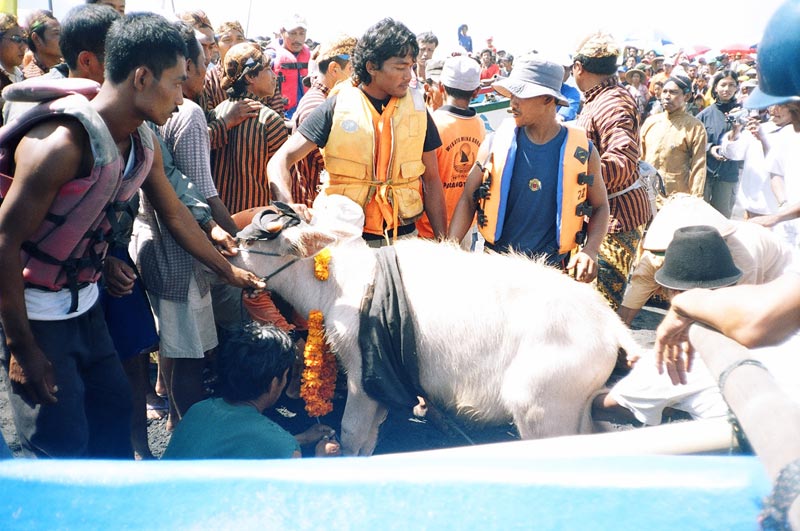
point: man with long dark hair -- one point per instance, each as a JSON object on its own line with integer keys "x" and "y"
{"x": 379, "y": 141}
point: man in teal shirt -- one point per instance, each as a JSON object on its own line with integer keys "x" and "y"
{"x": 253, "y": 369}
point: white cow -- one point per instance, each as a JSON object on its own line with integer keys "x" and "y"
{"x": 498, "y": 338}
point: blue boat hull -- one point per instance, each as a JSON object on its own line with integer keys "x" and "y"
{"x": 399, "y": 491}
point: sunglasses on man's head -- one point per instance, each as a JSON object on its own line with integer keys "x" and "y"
{"x": 17, "y": 39}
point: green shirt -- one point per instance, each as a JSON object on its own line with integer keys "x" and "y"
{"x": 215, "y": 429}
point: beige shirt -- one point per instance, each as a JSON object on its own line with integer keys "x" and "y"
{"x": 756, "y": 251}
{"x": 675, "y": 144}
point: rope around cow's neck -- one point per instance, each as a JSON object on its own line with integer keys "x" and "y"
{"x": 265, "y": 253}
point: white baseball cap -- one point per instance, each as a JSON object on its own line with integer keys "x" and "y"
{"x": 461, "y": 73}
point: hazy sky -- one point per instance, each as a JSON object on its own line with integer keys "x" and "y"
{"x": 541, "y": 26}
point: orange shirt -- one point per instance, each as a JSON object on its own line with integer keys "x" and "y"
{"x": 462, "y": 132}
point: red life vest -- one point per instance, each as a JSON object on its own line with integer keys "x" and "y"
{"x": 291, "y": 69}
{"x": 68, "y": 248}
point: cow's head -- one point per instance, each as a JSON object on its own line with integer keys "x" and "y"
{"x": 281, "y": 229}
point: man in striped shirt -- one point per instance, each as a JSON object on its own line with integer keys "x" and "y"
{"x": 240, "y": 166}
{"x": 212, "y": 94}
{"x": 611, "y": 121}
{"x": 333, "y": 66}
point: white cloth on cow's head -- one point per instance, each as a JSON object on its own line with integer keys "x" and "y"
{"x": 338, "y": 214}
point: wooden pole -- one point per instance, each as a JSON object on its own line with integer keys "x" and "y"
{"x": 249, "y": 12}
{"x": 769, "y": 418}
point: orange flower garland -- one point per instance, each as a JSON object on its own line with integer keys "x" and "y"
{"x": 321, "y": 261}
{"x": 319, "y": 374}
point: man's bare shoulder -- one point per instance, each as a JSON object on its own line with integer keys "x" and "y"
{"x": 59, "y": 147}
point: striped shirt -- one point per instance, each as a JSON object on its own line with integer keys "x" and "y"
{"x": 611, "y": 121}
{"x": 213, "y": 94}
{"x": 240, "y": 166}
{"x": 305, "y": 185}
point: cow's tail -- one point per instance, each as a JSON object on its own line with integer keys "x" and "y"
{"x": 624, "y": 341}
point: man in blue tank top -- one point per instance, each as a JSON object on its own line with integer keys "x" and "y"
{"x": 528, "y": 172}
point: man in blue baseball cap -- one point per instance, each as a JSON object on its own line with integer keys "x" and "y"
{"x": 779, "y": 84}
{"x": 778, "y": 60}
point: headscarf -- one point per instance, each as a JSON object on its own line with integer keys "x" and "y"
{"x": 683, "y": 83}
{"x": 244, "y": 58}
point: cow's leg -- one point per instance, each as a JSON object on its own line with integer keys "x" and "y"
{"x": 372, "y": 440}
{"x": 362, "y": 416}
{"x": 540, "y": 393}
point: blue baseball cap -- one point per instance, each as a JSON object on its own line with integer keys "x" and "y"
{"x": 779, "y": 59}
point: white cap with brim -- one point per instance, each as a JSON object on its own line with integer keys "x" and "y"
{"x": 294, "y": 22}
{"x": 758, "y": 99}
{"x": 461, "y": 73}
{"x": 533, "y": 77}
{"x": 433, "y": 69}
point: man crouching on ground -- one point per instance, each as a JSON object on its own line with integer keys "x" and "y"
{"x": 253, "y": 370}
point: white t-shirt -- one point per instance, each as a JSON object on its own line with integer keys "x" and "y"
{"x": 646, "y": 393}
{"x": 755, "y": 193}
{"x": 784, "y": 159}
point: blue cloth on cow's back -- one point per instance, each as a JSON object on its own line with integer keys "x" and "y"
{"x": 390, "y": 370}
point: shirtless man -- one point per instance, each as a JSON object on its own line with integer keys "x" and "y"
{"x": 69, "y": 394}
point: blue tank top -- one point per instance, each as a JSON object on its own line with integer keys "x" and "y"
{"x": 530, "y": 222}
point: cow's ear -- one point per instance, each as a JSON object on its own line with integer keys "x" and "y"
{"x": 312, "y": 241}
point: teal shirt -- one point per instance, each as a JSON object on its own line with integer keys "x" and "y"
{"x": 215, "y": 429}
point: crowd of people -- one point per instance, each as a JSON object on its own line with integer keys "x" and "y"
{"x": 186, "y": 128}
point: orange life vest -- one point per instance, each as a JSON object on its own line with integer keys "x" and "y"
{"x": 573, "y": 180}
{"x": 376, "y": 159}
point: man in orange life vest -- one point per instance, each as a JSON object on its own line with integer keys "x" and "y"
{"x": 377, "y": 140}
{"x": 537, "y": 179}
{"x": 68, "y": 391}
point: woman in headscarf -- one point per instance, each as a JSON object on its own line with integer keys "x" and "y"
{"x": 240, "y": 166}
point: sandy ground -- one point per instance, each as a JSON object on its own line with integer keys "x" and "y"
{"x": 400, "y": 432}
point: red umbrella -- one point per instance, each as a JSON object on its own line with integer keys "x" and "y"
{"x": 698, "y": 49}
{"x": 738, "y": 48}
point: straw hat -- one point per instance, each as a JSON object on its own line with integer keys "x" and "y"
{"x": 629, "y": 74}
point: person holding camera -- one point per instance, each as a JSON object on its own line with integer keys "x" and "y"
{"x": 749, "y": 141}
{"x": 722, "y": 174}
